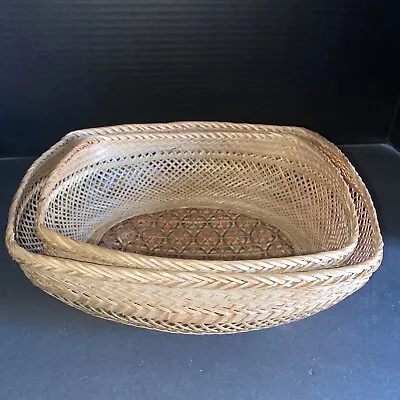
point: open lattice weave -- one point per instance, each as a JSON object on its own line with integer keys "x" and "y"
{"x": 160, "y": 301}
{"x": 274, "y": 177}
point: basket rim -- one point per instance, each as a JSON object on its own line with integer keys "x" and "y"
{"x": 88, "y": 252}
{"x": 88, "y": 143}
{"x": 196, "y": 280}
{"x": 219, "y": 325}
{"x": 25, "y": 257}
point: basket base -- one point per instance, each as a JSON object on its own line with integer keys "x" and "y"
{"x": 198, "y": 233}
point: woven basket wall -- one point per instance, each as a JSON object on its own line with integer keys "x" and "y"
{"x": 152, "y": 300}
{"x": 276, "y": 177}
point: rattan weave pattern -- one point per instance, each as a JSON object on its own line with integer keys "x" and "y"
{"x": 273, "y": 176}
{"x": 97, "y": 289}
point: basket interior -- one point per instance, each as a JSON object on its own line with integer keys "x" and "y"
{"x": 105, "y": 185}
{"x": 198, "y": 233}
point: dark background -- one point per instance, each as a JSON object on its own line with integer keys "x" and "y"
{"x": 329, "y": 65}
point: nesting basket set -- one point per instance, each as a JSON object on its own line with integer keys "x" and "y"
{"x": 195, "y": 227}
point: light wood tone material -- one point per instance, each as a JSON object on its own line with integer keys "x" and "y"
{"x": 271, "y": 175}
{"x": 245, "y": 301}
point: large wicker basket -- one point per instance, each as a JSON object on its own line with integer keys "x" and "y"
{"x": 242, "y": 302}
{"x": 276, "y": 177}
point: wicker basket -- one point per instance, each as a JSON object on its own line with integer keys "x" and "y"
{"x": 274, "y": 176}
{"x": 119, "y": 294}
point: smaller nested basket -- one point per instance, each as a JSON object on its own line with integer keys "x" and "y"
{"x": 274, "y": 177}
{"x": 219, "y": 303}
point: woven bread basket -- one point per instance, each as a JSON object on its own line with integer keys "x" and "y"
{"x": 275, "y": 176}
{"x": 115, "y": 293}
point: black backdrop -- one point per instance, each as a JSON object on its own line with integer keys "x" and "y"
{"x": 329, "y": 65}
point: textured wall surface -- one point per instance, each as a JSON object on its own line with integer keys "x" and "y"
{"x": 328, "y": 65}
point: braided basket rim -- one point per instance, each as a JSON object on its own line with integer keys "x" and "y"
{"x": 364, "y": 268}
{"x": 57, "y": 244}
{"x": 339, "y": 282}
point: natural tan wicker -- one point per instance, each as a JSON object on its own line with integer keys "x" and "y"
{"x": 119, "y": 294}
{"x": 274, "y": 176}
